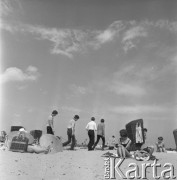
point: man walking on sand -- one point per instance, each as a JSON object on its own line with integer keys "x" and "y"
{"x": 50, "y": 122}
{"x": 71, "y": 132}
{"x": 100, "y": 134}
{"x": 91, "y": 128}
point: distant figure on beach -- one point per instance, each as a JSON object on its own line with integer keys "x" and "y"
{"x": 112, "y": 143}
{"x": 91, "y": 128}
{"x": 160, "y": 145}
{"x": 147, "y": 146}
{"x": 3, "y": 136}
{"x": 50, "y": 122}
{"x": 124, "y": 144}
{"x": 71, "y": 132}
{"x": 100, "y": 134}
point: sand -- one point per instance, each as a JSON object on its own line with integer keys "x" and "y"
{"x": 66, "y": 165}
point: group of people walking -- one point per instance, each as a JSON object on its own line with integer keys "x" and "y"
{"x": 91, "y": 128}
{"x": 123, "y": 145}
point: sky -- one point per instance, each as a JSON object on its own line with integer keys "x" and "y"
{"x": 113, "y": 59}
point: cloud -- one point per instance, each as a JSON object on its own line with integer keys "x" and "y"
{"x": 110, "y": 33}
{"x": 16, "y": 74}
{"x": 130, "y": 35}
{"x": 139, "y": 109}
{"x": 122, "y": 88}
{"x": 78, "y": 90}
{"x": 7, "y": 6}
{"x": 67, "y": 41}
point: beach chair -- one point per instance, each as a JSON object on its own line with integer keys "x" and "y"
{"x": 175, "y": 136}
{"x": 16, "y": 128}
{"x": 36, "y": 134}
{"x": 131, "y": 131}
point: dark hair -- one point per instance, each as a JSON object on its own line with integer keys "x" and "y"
{"x": 92, "y": 118}
{"x": 113, "y": 136}
{"x": 123, "y": 133}
{"x": 55, "y": 112}
{"x": 76, "y": 117}
{"x": 145, "y": 129}
{"x": 160, "y": 138}
{"x": 102, "y": 120}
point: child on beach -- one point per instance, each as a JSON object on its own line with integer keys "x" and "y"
{"x": 112, "y": 143}
{"x": 160, "y": 145}
{"x": 123, "y": 145}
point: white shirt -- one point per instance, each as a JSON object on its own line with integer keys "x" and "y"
{"x": 50, "y": 121}
{"x": 91, "y": 126}
{"x": 72, "y": 124}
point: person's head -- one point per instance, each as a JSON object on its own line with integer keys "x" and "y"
{"x": 3, "y": 133}
{"x": 160, "y": 139}
{"x": 54, "y": 112}
{"x": 102, "y": 120}
{"x": 123, "y": 133}
{"x": 76, "y": 117}
{"x": 113, "y": 136}
{"x": 145, "y": 132}
{"x": 92, "y": 119}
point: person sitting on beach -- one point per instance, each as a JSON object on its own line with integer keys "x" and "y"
{"x": 147, "y": 146}
{"x": 124, "y": 145}
{"x": 50, "y": 122}
{"x": 100, "y": 134}
{"x": 112, "y": 143}
{"x": 3, "y": 136}
{"x": 160, "y": 145}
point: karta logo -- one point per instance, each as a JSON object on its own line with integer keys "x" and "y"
{"x": 113, "y": 170}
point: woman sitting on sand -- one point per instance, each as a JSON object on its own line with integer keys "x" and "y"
{"x": 124, "y": 145}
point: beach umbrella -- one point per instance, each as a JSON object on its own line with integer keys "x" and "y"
{"x": 16, "y": 133}
{"x": 54, "y": 142}
{"x": 175, "y": 136}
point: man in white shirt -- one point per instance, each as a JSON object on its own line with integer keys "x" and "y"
{"x": 91, "y": 128}
{"x": 71, "y": 132}
{"x": 50, "y": 122}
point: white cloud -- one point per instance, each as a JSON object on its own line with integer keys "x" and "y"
{"x": 16, "y": 74}
{"x": 69, "y": 41}
{"x": 139, "y": 109}
{"x": 79, "y": 90}
{"x": 7, "y": 6}
{"x": 131, "y": 34}
{"x": 121, "y": 88}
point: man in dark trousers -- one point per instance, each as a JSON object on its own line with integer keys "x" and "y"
{"x": 71, "y": 132}
{"x": 100, "y": 134}
{"x": 91, "y": 128}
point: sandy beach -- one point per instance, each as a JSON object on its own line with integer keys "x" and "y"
{"x": 66, "y": 165}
